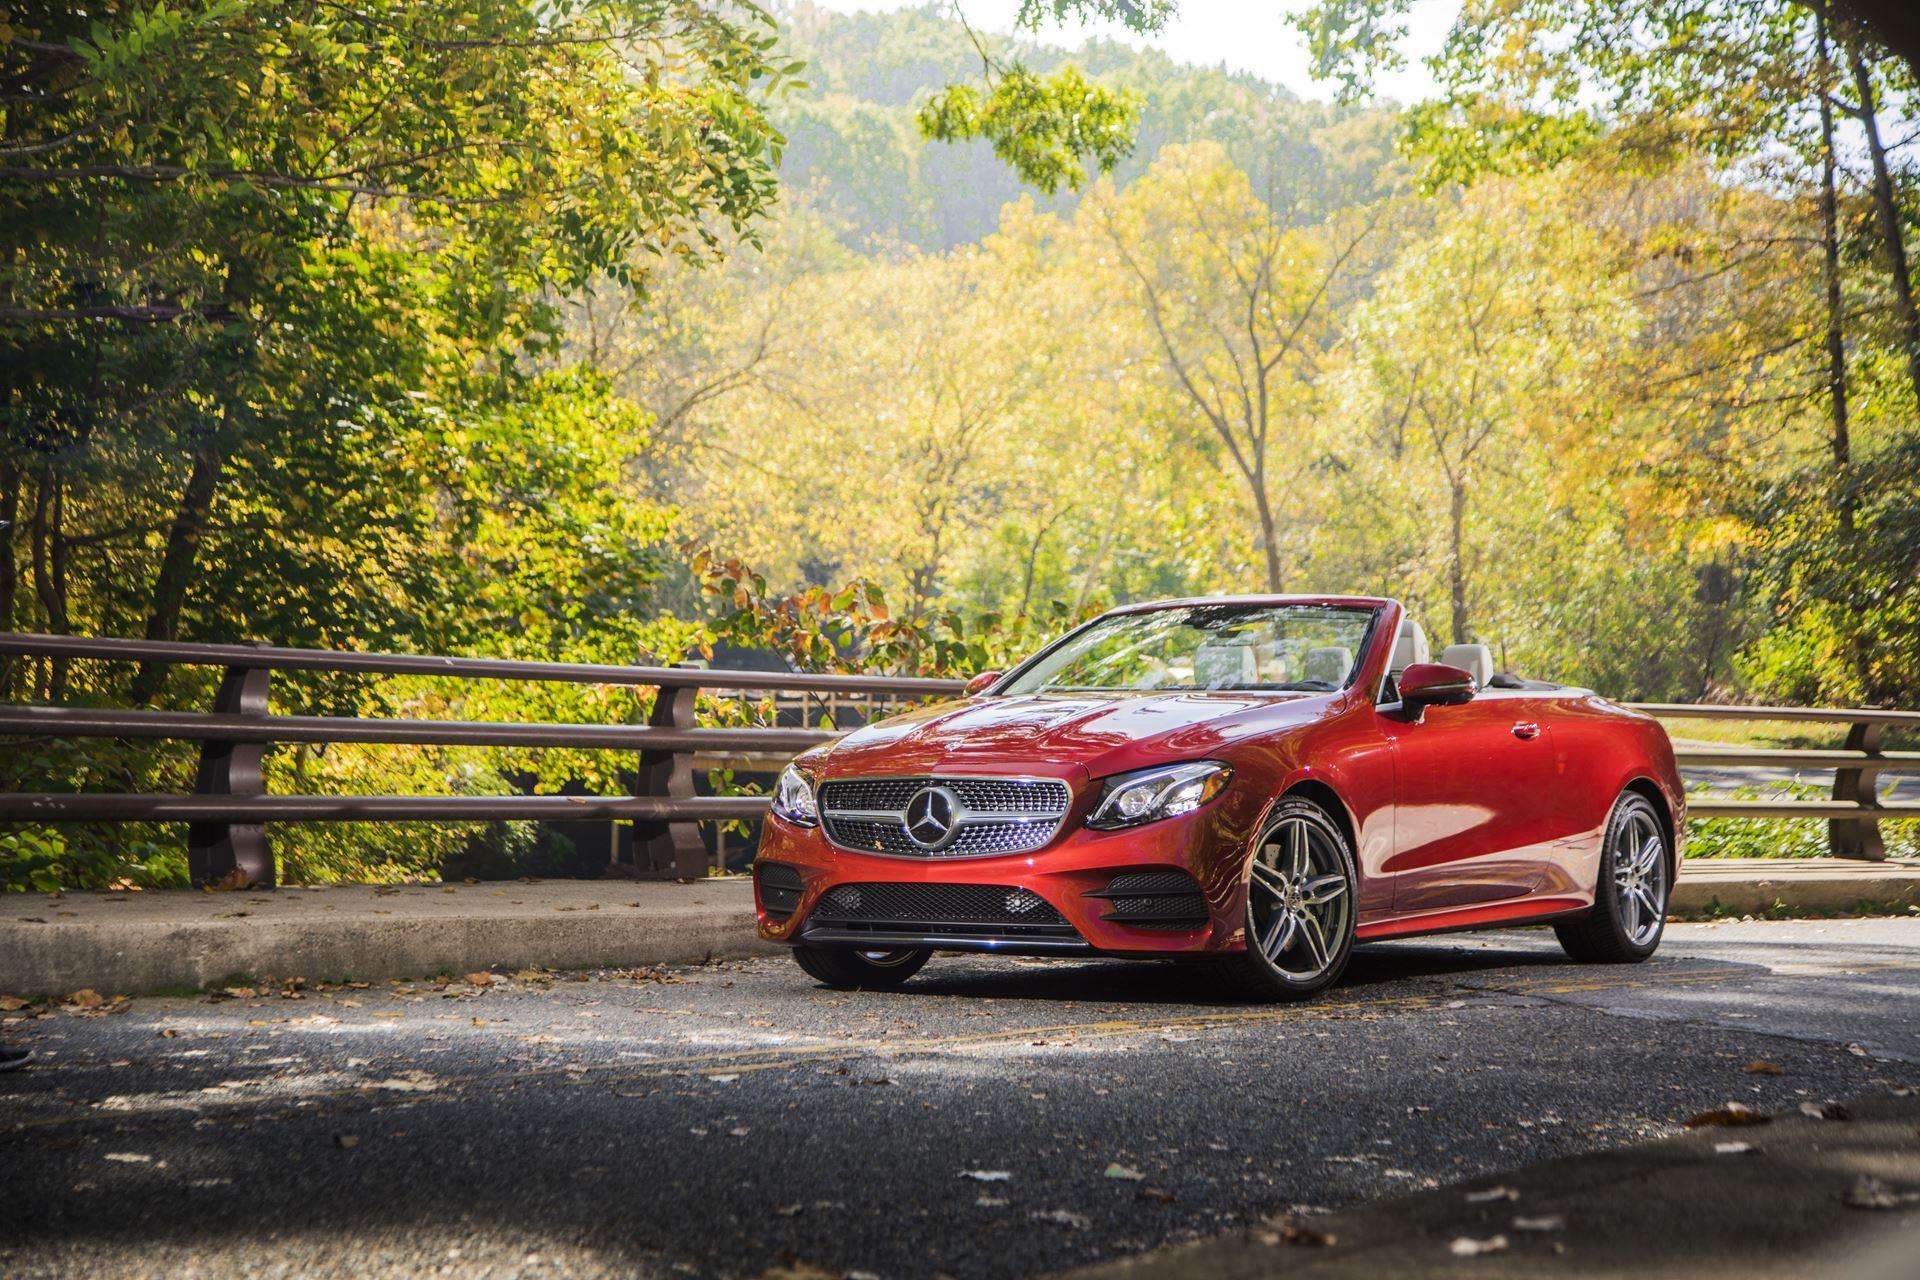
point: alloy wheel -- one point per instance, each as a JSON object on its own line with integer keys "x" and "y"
{"x": 1299, "y": 899}
{"x": 1640, "y": 876}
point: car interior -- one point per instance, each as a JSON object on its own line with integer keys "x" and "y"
{"x": 1410, "y": 646}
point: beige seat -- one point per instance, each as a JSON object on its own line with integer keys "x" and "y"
{"x": 1409, "y": 647}
{"x": 1330, "y": 663}
{"x": 1474, "y": 659}
{"x": 1218, "y": 666}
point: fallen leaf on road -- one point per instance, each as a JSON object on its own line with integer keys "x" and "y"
{"x": 85, "y": 998}
{"x": 1491, "y": 1194}
{"x": 1761, "y": 1067}
{"x": 1871, "y": 1193}
{"x": 1468, "y": 1247}
{"x": 799, "y": 1271}
{"x": 11, "y": 1004}
{"x": 1733, "y": 1114}
{"x": 239, "y": 993}
{"x": 1062, "y": 1218}
{"x": 386, "y": 1015}
{"x": 987, "y": 1175}
{"x": 481, "y": 979}
{"x": 1826, "y": 1110}
{"x": 1154, "y": 1194}
{"x": 346, "y": 1141}
{"x": 1121, "y": 1171}
{"x": 990, "y": 1202}
{"x": 1311, "y": 1237}
{"x": 1733, "y": 1148}
{"x": 1545, "y": 1222}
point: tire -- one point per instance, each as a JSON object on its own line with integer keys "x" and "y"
{"x": 845, "y": 969}
{"x": 1300, "y": 915}
{"x": 1633, "y": 883}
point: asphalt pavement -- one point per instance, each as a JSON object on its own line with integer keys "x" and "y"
{"x": 997, "y": 1118}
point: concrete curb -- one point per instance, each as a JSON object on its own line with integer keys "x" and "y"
{"x": 131, "y": 944}
{"x": 134, "y": 944}
{"x": 1747, "y": 886}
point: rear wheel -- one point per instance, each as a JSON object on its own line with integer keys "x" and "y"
{"x": 1630, "y": 899}
{"x": 849, "y": 970}
{"x": 1301, "y": 886}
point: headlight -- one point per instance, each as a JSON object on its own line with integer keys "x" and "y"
{"x": 1153, "y": 794}
{"x": 793, "y": 798}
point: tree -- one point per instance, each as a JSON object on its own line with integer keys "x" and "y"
{"x": 1242, "y": 303}
{"x": 244, "y": 240}
{"x": 1478, "y": 361}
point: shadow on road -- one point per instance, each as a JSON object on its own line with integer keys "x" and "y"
{"x": 1178, "y": 983}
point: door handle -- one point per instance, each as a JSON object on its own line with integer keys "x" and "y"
{"x": 1526, "y": 731}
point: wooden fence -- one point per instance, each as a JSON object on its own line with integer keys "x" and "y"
{"x": 228, "y": 810}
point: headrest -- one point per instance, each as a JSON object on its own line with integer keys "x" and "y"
{"x": 1409, "y": 647}
{"x": 1219, "y": 665}
{"x": 1474, "y": 659}
{"x": 1330, "y": 664}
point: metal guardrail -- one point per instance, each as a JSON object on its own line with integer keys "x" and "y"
{"x": 228, "y": 810}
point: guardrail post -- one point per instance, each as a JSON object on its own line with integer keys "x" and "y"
{"x": 233, "y": 855}
{"x": 669, "y": 849}
{"x": 1858, "y": 837}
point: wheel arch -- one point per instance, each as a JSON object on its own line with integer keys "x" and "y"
{"x": 1655, "y": 796}
{"x": 1322, "y": 794}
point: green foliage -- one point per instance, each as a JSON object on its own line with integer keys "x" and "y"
{"x": 1046, "y": 127}
{"x": 1778, "y": 838}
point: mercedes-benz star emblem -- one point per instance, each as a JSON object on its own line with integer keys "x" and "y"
{"x": 930, "y": 816}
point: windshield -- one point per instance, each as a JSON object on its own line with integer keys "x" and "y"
{"x": 1303, "y": 648}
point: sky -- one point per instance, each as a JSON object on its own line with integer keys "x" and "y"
{"x": 1245, "y": 36}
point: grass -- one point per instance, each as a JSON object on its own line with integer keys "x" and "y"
{"x": 1718, "y": 910}
{"x": 1782, "y": 837}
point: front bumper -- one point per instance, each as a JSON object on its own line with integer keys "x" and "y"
{"x": 1073, "y": 875}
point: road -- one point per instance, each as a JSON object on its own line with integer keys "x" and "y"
{"x": 997, "y": 1118}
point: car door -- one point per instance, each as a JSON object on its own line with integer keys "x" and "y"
{"x": 1474, "y": 801}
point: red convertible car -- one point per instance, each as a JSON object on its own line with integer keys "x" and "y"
{"x": 1257, "y": 782}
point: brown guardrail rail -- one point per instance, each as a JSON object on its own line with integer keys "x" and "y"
{"x": 228, "y": 810}
{"x": 1853, "y": 811}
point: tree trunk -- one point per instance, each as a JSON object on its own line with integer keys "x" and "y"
{"x": 1836, "y": 334}
{"x": 177, "y": 563}
{"x": 1457, "y": 561}
{"x": 9, "y": 570}
{"x": 1888, "y": 211}
{"x": 1269, "y": 540}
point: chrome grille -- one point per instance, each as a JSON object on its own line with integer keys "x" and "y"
{"x": 995, "y": 815}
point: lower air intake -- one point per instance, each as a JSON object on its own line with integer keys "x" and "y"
{"x": 779, "y": 887}
{"x": 960, "y": 910}
{"x": 1169, "y": 900}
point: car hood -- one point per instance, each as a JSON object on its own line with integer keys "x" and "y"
{"x": 1059, "y": 734}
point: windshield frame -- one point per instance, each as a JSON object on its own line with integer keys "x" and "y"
{"x": 1374, "y": 613}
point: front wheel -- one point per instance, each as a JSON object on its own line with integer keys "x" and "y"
{"x": 1301, "y": 886}
{"x": 1630, "y": 898}
{"x": 848, "y": 970}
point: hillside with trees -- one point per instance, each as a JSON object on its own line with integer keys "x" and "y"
{"x": 639, "y": 326}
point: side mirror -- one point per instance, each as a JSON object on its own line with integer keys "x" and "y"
{"x": 1433, "y": 684}
{"x": 982, "y": 682}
